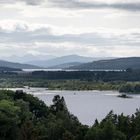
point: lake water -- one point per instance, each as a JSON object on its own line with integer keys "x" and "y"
{"x": 31, "y": 70}
{"x": 89, "y": 105}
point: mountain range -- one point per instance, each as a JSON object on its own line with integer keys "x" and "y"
{"x": 76, "y": 62}
{"x": 64, "y": 60}
{"x": 44, "y": 62}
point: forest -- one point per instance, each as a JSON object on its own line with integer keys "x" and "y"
{"x": 126, "y": 75}
{"x": 25, "y": 117}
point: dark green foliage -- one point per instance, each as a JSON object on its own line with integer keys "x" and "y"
{"x": 125, "y": 75}
{"x": 107, "y": 132}
{"x": 130, "y": 88}
{"x": 24, "y": 117}
{"x": 67, "y": 136}
{"x": 137, "y": 137}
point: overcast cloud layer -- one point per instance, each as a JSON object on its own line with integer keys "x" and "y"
{"x": 130, "y": 6}
{"x": 83, "y": 4}
{"x": 62, "y": 27}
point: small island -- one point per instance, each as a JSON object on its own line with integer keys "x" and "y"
{"x": 124, "y": 96}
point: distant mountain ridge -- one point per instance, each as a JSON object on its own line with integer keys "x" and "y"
{"x": 17, "y": 65}
{"x": 113, "y": 64}
{"x": 63, "y": 60}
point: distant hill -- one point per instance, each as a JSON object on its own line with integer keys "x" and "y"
{"x": 113, "y": 64}
{"x": 63, "y": 60}
{"x": 17, "y": 65}
{"x": 65, "y": 65}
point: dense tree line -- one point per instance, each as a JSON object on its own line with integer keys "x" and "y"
{"x": 128, "y": 75}
{"x": 130, "y": 88}
{"x": 105, "y": 76}
{"x": 24, "y": 117}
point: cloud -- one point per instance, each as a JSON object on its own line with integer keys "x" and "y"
{"x": 76, "y": 4}
{"x": 128, "y": 5}
{"x": 34, "y": 2}
{"x": 29, "y": 2}
{"x": 21, "y": 38}
{"x": 21, "y": 33}
{"x": 62, "y": 27}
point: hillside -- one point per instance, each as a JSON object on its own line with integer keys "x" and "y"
{"x": 113, "y": 64}
{"x": 7, "y": 69}
{"x": 16, "y": 65}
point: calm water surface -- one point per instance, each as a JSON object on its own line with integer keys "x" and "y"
{"x": 89, "y": 105}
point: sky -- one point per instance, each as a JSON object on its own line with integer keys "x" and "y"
{"x": 95, "y": 28}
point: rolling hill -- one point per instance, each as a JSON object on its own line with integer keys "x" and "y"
{"x": 113, "y": 64}
{"x": 17, "y": 65}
